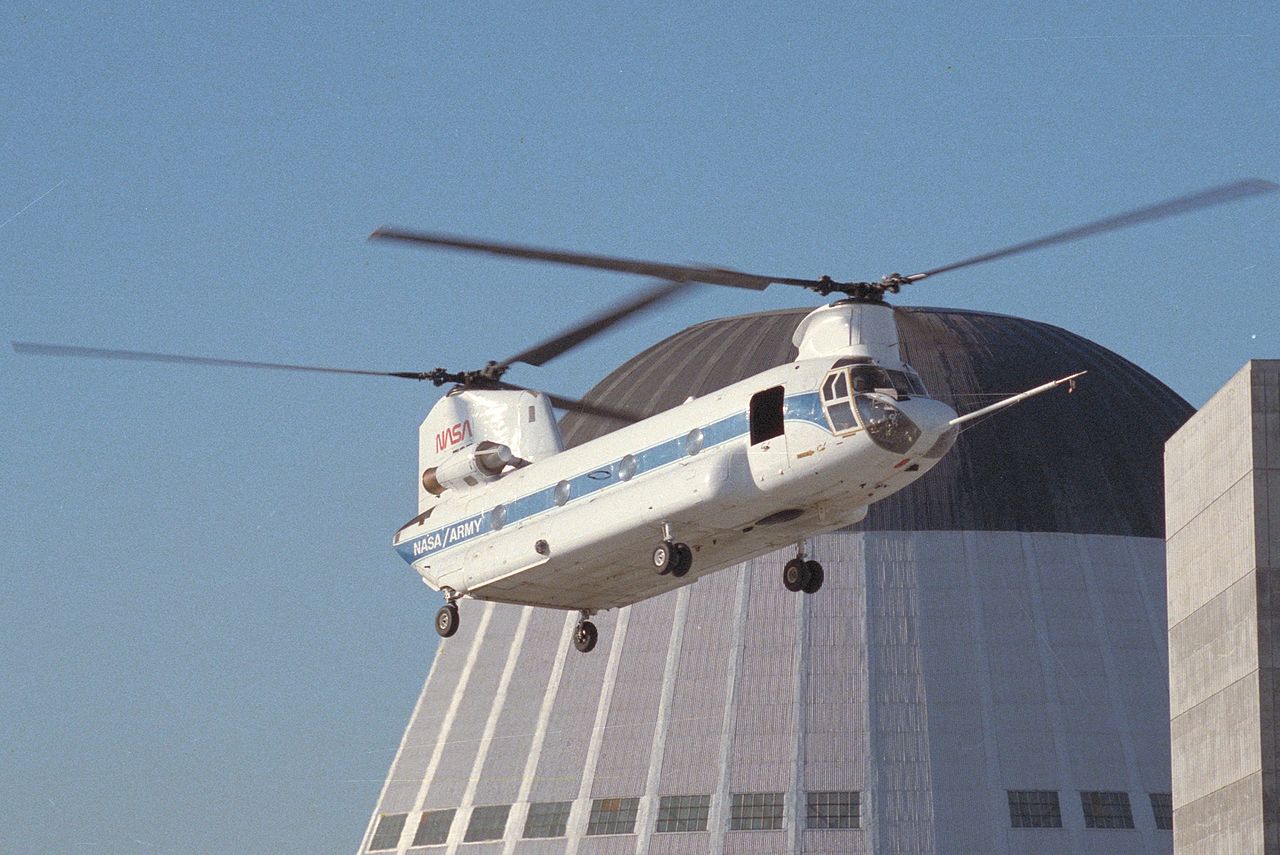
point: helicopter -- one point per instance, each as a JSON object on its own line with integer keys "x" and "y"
{"x": 507, "y": 513}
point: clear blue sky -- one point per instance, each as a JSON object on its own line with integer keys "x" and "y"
{"x": 206, "y": 642}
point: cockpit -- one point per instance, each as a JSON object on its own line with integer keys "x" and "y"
{"x": 859, "y": 395}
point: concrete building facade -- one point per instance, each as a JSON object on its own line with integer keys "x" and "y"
{"x": 1223, "y": 486}
{"x": 984, "y": 670}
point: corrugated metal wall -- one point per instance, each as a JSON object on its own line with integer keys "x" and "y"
{"x": 932, "y": 673}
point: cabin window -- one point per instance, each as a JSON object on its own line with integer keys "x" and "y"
{"x": 627, "y": 467}
{"x": 766, "y": 415}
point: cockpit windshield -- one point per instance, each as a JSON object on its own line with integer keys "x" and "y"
{"x": 855, "y": 395}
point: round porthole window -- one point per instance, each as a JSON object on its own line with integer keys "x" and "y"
{"x": 627, "y": 468}
{"x": 693, "y": 442}
{"x": 563, "y": 489}
{"x": 498, "y": 517}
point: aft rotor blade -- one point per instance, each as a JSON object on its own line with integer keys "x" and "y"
{"x": 1182, "y": 204}
{"x": 574, "y": 404}
{"x": 656, "y": 269}
{"x": 545, "y": 351}
{"x": 38, "y": 349}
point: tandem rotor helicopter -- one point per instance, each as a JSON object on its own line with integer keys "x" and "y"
{"x": 506, "y": 513}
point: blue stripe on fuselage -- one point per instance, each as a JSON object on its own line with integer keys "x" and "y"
{"x": 805, "y": 407}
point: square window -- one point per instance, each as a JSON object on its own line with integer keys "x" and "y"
{"x": 488, "y": 822}
{"x": 547, "y": 819}
{"x": 1162, "y": 807}
{"x": 613, "y": 816}
{"x": 833, "y": 810}
{"x": 1034, "y": 809}
{"x": 387, "y": 835}
{"x": 433, "y": 828}
{"x": 683, "y": 813}
{"x": 1106, "y": 810}
{"x": 755, "y": 811}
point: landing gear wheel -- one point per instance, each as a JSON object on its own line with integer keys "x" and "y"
{"x": 795, "y": 574}
{"x": 585, "y": 636}
{"x": 447, "y": 620}
{"x": 664, "y": 556}
{"x": 681, "y": 560}
{"x": 815, "y": 577}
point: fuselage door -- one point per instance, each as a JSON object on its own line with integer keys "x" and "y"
{"x": 768, "y": 449}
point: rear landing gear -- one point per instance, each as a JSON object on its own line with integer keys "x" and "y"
{"x": 585, "y": 634}
{"x": 447, "y": 620}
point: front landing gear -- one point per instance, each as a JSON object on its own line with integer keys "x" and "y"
{"x": 447, "y": 620}
{"x": 800, "y": 574}
{"x": 670, "y": 556}
{"x": 585, "y": 634}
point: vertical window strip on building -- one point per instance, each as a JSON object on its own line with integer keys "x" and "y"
{"x": 1106, "y": 810}
{"x": 387, "y": 834}
{"x": 755, "y": 811}
{"x": 613, "y": 816}
{"x": 683, "y": 813}
{"x": 1034, "y": 809}
{"x": 1162, "y": 808}
{"x": 488, "y": 822}
{"x": 547, "y": 819}
{"x": 833, "y": 809}
{"x": 433, "y": 828}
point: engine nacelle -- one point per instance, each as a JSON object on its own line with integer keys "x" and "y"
{"x": 469, "y": 467}
{"x": 458, "y": 441}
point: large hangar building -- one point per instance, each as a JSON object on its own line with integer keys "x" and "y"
{"x": 984, "y": 671}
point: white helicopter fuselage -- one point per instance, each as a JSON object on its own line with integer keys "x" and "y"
{"x": 755, "y": 466}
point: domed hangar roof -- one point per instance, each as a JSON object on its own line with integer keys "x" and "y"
{"x": 1085, "y": 463}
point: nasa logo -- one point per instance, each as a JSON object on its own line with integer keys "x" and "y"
{"x": 453, "y": 435}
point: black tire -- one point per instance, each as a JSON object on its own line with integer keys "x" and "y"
{"x": 795, "y": 574}
{"x": 585, "y": 636}
{"x": 664, "y": 557}
{"x": 815, "y": 577}
{"x": 447, "y": 620}
{"x": 682, "y": 560}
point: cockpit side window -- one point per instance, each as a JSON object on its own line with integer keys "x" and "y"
{"x": 836, "y": 400}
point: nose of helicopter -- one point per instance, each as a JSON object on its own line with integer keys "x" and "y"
{"x": 933, "y": 418}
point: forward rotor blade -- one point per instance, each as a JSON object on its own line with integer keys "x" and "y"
{"x": 545, "y": 351}
{"x": 1180, "y": 205}
{"x": 656, "y": 269}
{"x": 38, "y": 349}
{"x": 574, "y": 404}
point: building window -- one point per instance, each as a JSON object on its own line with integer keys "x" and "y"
{"x": 755, "y": 811}
{"x": 547, "y": 819}
{"x": 1034, "y": 809}
{"x": 1162, "y": 807}
{"x": 1106, "y": 810}
{"x": 833, "y": 810}
{"x": 487, "y": 823}
{"x": 613, "y": 816}
{"x": 683, "y": 813}
{"x": 387, "y": 835}
{"x": 433, "y": 828}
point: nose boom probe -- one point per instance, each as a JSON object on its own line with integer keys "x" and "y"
{"x": 1022, "y": 396}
